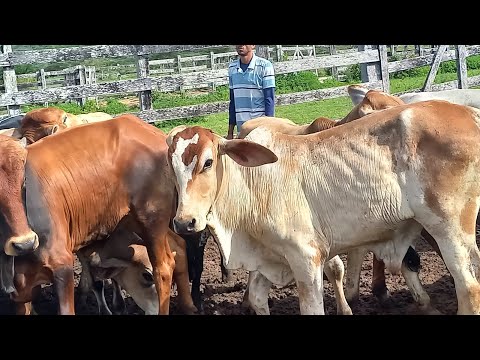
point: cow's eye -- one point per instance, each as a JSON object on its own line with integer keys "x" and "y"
{"x": 208, "y": 164}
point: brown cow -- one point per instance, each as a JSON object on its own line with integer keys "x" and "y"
{"x": 17, "y": 237}
{"x": 42, "y": 122}
{"x": 46, "y": 121}
{"x": 81, "y": 195}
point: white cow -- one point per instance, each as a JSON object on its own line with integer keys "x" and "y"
{"x": 282, "y": 205}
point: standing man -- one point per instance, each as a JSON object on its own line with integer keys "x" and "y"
{"x": 252, "y": 88}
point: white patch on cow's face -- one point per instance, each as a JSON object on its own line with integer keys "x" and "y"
{"x": 184, "y": 173}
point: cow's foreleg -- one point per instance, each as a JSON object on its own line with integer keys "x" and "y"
{"x": 180, "y": 275}
{"x": 334, "y": 269}
{"x": 198, "y": 270}
{"x": 306, "y": 258}
{"x": 118, "y": 302}
{"x": 310, "y": 295}
{"x": 256, "y": 295}
{"x": 162, "y": 260}
{"x": 63, "y": 281}
{"x": 98, "y": 288}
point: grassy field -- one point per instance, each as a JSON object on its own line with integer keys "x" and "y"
{"x": 285, "y": 83}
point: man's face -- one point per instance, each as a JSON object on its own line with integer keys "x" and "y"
{"x": 243, "y": 50}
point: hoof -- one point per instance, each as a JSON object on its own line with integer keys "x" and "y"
{"x": 191, "y": 309}
{"x": 429, "y": 310}
{"x": 352, "y": 301}
{"x": 346, "y": 311}
{"x": 382, "y": 296}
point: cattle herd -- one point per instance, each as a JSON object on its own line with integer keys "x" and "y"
{"x": 281, "y": 201}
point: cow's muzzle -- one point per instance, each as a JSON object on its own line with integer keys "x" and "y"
{"x": 21, "y": 245}
{"x": 185, "y": 226}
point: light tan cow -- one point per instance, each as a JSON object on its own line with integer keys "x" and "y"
{"x": 42, "y": 122}
{"x": 13, "y": 132}
{"x": 123, "y": 259}
{"x": 282, "y": 205}
{"x": 285, "y": 126}
{"x": 468, "y": 97}
{"x": 372, "y": 101}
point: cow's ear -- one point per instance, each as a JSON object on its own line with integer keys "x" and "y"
{"x": 113, "y": 262}
{"x": 247, "y": 153}
{"x": 52, "y": 130}
{"x": 173, "y": 132}
{"x": 23, "y": 142}
{"x": 357, "y": 93}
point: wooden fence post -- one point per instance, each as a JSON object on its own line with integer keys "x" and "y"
{"x": 369, "y": 71}
{"x": 80, "y": 80}
{"x": 382, "y": 52}
{"x": 461, "y": 55}
{"x": 213, "y": 67}
{"x": 434, "y": 68}
{"x": 279, "y": 52}
{"x": 262, "y": 51}
{"x": 91, "y": 79}
{"x": 43, "y": 83}
{"x": 143, "y": 71}
{"x": 179, "y": 68}
{"x": 10, "y": 82}
{"x": 333, "y": 51}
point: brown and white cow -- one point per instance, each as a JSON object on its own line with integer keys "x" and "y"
{"x": 282, "y": 205}
{"x": 42, "y": 122}
{"x": 75, "y": 197}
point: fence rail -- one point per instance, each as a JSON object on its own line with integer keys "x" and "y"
{"x": 373, "y": 62}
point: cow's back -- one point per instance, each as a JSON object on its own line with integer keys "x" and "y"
{"x": 88, "y": 174}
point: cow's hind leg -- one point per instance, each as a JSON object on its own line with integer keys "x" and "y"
{"x": 410, "y": 272}
{"x": 335, "y": 270}
{"x": 410, "y": 263}
{"x": 379, "y": 285}
{"x": 462, "y": 258}
{"x": 355, "y": 259}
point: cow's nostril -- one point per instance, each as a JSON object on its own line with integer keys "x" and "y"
{"x": 191, "y": 224}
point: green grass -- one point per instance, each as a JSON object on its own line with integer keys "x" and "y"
{"x": 286, "y": 83}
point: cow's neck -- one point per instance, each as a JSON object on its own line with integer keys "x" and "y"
{"x": 38, "y": 213}
{"x": 238, "y": 207}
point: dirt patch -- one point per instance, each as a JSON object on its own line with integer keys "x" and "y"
{"x": 226, "y": 298}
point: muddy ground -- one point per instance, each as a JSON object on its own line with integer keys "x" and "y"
{"x": 225, "y": 298}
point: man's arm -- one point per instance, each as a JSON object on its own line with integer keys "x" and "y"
{"x": 231, "y": 116}
{"x": 269, "y": 89}
{"x": 269, "y": 95}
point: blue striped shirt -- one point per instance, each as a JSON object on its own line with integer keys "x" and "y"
{"x": 248, "y": 89}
